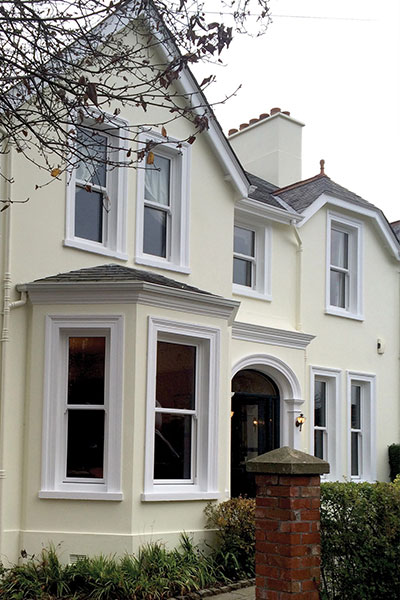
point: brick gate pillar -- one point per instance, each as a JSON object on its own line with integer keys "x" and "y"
{"x": 287, "y": 524}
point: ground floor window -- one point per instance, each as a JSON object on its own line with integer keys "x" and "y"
{"x": 361, "y": 438}
{"x": 182, "y": 408}
{"x": 83, "y": 404}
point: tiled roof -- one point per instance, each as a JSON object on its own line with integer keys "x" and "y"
{"x": 117, "y": 273}
{"x": 301, "y": 195}
{"x": 264, "y": 191}
{"x": 396, "y": 228}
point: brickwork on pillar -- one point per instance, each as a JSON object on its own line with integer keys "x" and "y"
{"x": 287, "y": 536}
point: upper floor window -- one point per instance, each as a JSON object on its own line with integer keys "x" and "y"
{"x": 361, "y": 415}
{"x": 252, "y": 259}
{"x": 162, "y": 216}
{"x": 96, "y": 191}
{"x": 344, "y": 268}
{"x": 325, "y": 388}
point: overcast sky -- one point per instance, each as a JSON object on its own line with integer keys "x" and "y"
{"x": 335, "y": 65}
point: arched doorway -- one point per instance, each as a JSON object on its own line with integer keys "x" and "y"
{"x": 255, "y": 425}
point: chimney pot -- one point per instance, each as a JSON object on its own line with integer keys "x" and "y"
{"x": 286, "y": 112}
{"x": 232, "y": 131}
{"x": 263, "y": 116}
{"x": 252, "y": 121}
{"x": 243, "y": 126}
{"x": 275, "y": 111}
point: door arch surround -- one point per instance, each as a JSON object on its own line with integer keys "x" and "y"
{"x": 289, "y": 388}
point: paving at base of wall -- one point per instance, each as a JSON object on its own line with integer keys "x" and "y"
{"x": 240, "y": 590}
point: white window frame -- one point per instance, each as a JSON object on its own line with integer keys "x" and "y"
{"x": 114, "y": 219}
{"x": 177, "y": 255}
{"x": 204, "y": 484}
{"x": 332, "y": 378}
{"x": 354, "y": 273}
{"x": 367, "y": 433}
{"x": 54, "y": 483}
{"x": 261, "y": 271}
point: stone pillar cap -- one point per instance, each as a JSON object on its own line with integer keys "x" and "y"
{"x": 287, "y": 461}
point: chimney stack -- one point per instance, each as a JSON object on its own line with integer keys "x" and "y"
{"x": 270, "y": 146}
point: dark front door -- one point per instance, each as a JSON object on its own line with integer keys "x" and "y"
{"x": 255, "y": 427}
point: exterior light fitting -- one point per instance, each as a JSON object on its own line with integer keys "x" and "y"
{"x": 300, "y": 421}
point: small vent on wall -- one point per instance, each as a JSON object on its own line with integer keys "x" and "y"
{"x": 74, "y": 558}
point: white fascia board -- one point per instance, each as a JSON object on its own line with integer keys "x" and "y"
{"x": 374, "y": 214}
{"x": 131, "y": 292}
{"x": 249, "y": 332}
{"x": 220, "y": 144}
{"x": 266, "y": 211}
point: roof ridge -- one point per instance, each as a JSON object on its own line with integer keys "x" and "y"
{"x": 297, "y": 184}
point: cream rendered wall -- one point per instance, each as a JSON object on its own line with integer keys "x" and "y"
{"x": 90, "y": 527}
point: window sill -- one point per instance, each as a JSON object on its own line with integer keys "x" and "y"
{"x": 66, "y": 495}
{"x": 86, "y": 246}
{"x": 242, "y": 290}
{"x": 168, "y": 496}
{"x": 342, "y": 313}
{"x": 162, "y": 264}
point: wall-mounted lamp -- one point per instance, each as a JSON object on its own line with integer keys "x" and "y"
{"x": 300, "y": 421}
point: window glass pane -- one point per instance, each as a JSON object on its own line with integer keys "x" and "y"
{"x": 85, "y": 445}
{"x": 320, "y": 403}
{"x": 155, "y": 232}
{"x": 176, "y": 376}
{"x": 92, "y": 151}
{"x": 355, "y": 465}
{"x": 319, "y": 443}
{"x": 242, "y": 272}
{"x": 89, "y": 215}
{"x": 172, "y": 446}
{"x": 338, "y": 289}
{"x": 339, "y": 248}
{"x": 86, "y": 361}
{"x": 157, "y": 181}
{"x": 355, "y": 406}
{"x": 244, "y": 241}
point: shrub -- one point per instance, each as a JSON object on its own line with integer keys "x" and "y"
{"x": 394, "y": 460}
{"x": 360, "y": 541}
{"x": 154, "y": 574}
{"x": 234, "y": 521}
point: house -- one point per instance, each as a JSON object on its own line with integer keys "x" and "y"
{"x": 148, "y": 350}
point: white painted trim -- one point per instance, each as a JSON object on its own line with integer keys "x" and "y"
{"x": 375, "y": 214}
{"x": 333, "y": 378}
{"x": 207, "y": 340}
{"x": 368, "y": 425}
{"x": 109, "y": 496}
{"x": 159, "y": 264}
{"x": 131, "y": 292}
{"x": 249, "y": 332}
{"x": 179, "y": 496}
{"x": 289, "y": 392}
{"x": 258, "y": 210}
{"x": 115, "y": 235}
{"x": 53, "y": 452}
{"x": 356, "y": 263}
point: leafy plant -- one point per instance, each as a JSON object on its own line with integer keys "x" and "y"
{"x": 360, "y": 541}
{"x": 234, "y": 521}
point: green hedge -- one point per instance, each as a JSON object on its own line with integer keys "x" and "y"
{"x": 360, "y": 541}
{"x": 394, "y": 460}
